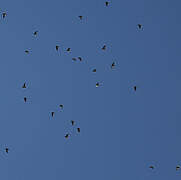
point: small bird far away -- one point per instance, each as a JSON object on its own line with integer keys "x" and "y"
{"x": 97, "y": 84}
{"x": 177, "y": 167}
{"x": 67, "y": 135}
{"x": 26, "y": 51}
{"x": 61, "y": 106}
{"x": 104, "y": 47}
{"x": 52, "y": 113}
{"x": 57, "y": 47}
{"x": 112, "y": 65}
{"x": 80, "y": 59}
{"x": 35, "y": 33}
{"x": 68, "y": 49}
{"x": 4, "y": 15}
{"x": 72, "y": 122}
{"x": 24, "y": 86}
{"x": 25, "y": 99}
{"x": 139, "y": 26}
{"x": 80, "y": 17}
{"x": 74, "y": 59}
{"x": 135, "y": 88}
{"x": 107, "y": 3}
{"x": 78, "y": 129}
{"x": 151, "y": 167}
{"x": 7, "y": 150}
{"x": 94, "y": 70}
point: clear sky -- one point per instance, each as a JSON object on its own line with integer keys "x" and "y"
{"x": 122, "y": 132}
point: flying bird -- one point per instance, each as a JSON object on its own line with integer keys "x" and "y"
{"x": 24, "y": 85}
{"x": 107, "y": 3}
{"x": 104, "y": 47}
{"x": 25, "y": 99}
{"x": 61, "y": 106}
{"x": 26, "y": 51}
{"x": 139, "y": 26}
{"x": 177, "y": 167}
{"x": 66, "y": 136}
{"x": 4, "y": 15}
{"x": 94, "y": 70}
{"x": 72, "y": 122}
{"x": 78, "y": 129}
{"x": 135, "y": 88}
{"x": 57, "y": 47}
{"x": 35, "y": 33}
{"x": 151, "y": 167}
{"x": 80, "y": 59}
{"x": 80, "y": 17}
{"x": 52, "y": 113}
{"x": 7, "y": 150}
{"x": 97, "y": 84}
{"x": 112, "y": 65}
{"x": 74, "y": 59}
{"x": 68, "y": 49}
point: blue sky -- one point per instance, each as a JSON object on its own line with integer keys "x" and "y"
{"x": 122, "y": 132}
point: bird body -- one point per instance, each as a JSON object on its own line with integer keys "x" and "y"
{"x": 52, "y": 113}
{"x": 66, "y": 136}
{"x": 104, "y": 47}
{"x": 94, "y": 70}
{"x": 24, "y": 85}
{"x": 151, "y": 167}
{"x": 7, "y": 150}
{"x": 35, "y": 33}
{"x": 72, "y": 122}
{"x": 57, "y": 47}
{"x": 26, "y": 51}
{"x": 4, "y": 15}
{"x": 68, "y": 49}
{"x": 112, "y": 65}
{"x": 78, "y": 129}
{"x": 139, "y": 26}
{"x": 107, "y": 3}
{"x": 25, "y": 99}
{"x": 177, "y": 167}
{"x": 80, "y": 59}
{"x": 80, "y": 17}
{"x": 135, "y": 88}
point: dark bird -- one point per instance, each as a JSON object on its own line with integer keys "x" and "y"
{"x": 7, "y": 150}
{"x": 107, "y": 3}
{"x": 78, "y": 129}
{"x": 66, "y": 136}
{"x": 35, "y": 33}
{"x": 25, "y": 99}
{"x": 72, "y": 122}
{"x": 4, "y": 15}
{"x": 26, "y": 51}
{"x": 74, "y": 59}
{"x": 80, "y": 17}
{"x": 113, "y": 65}
{"x": 61, "y": 106}
{"x": 97, "y": 84}
{"x": 57, "y": 47}
{"x": 94, "y": 70}
{"x": 52, "y": 113}
{"x": 135, "y": 88}
{"x": 151, "y": 167}
{"x": 177, "y": 167}
{"x": 68, "y": 49}
{"x": 24, "y": 85}
{"x": 139, "y": 26}
{"x": 104, "y": 47}
{"x": 80, "y": 59}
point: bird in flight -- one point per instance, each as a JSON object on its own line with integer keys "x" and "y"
{"x": 24, "y": 85}
{"x": 112, "y": 65}
{"x": 25, "y": 99}
{"x": 139, "y": 26}
{"x": 94, "y": 70}
{"x": 72, "y": 122}
{"x": 135, "y": 88}
{"x": 107, "y": 3}
{"x": 57, "y": 47}
{"x": 7, "y": 150}
{"x": 61, "y": 106}
{"x": 151, "y": 167}
{"x": 35, "y": 33}
{"x": 177, "y": 167}
{"x": 80, "y": 17}
{"x": 78, "y": 129}
{"x": 52, "y": 113}
{"x": 74, "y": 59}
{"x": 66, "y": 136}
{"x": 97, "y": 84}
{"x": 104, "y": 47}
{"x": 68, "y": 49}
{"x": 4, "y": 15}
{"x": 80, "y": 59}
{"x": 26, "y": 51}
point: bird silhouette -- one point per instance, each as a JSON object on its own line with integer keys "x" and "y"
{"x": 135, "y": 88}
{"x": 80, "y": 17}
{"x": 112, "y": 65}
{"x": 7, "y": 150}
{"x": 26, "y": 51}
{"x": 94, "y": 70}
{"x": 97, "y": 84}
{"x": 74, "y": 59}
{"x": 52, "y": 113}
{"x": 151, "y": 167}
{"x": 72, "y": 122}
{"x": 80, "y": 59}
{"x": 68, "y": 49}
{"x": 35, "y": 33}
{"x": 24, "y": 85}
{"x": 57, "y": 47}
{"x": 78, "y": 129}
{"x": 139, "y": 26}
{"x": 61, "y": 106}
{"x": 177, "y": 167}
{"x": 107, "y": 3}
{"x": 25, "y": 99}
{"x": 104, "y": 47}
{"x": 66, "y": 136}
{"x": 4, "y": 15}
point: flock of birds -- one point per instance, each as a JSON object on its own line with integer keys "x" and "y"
{"x": 61, "y": 106}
